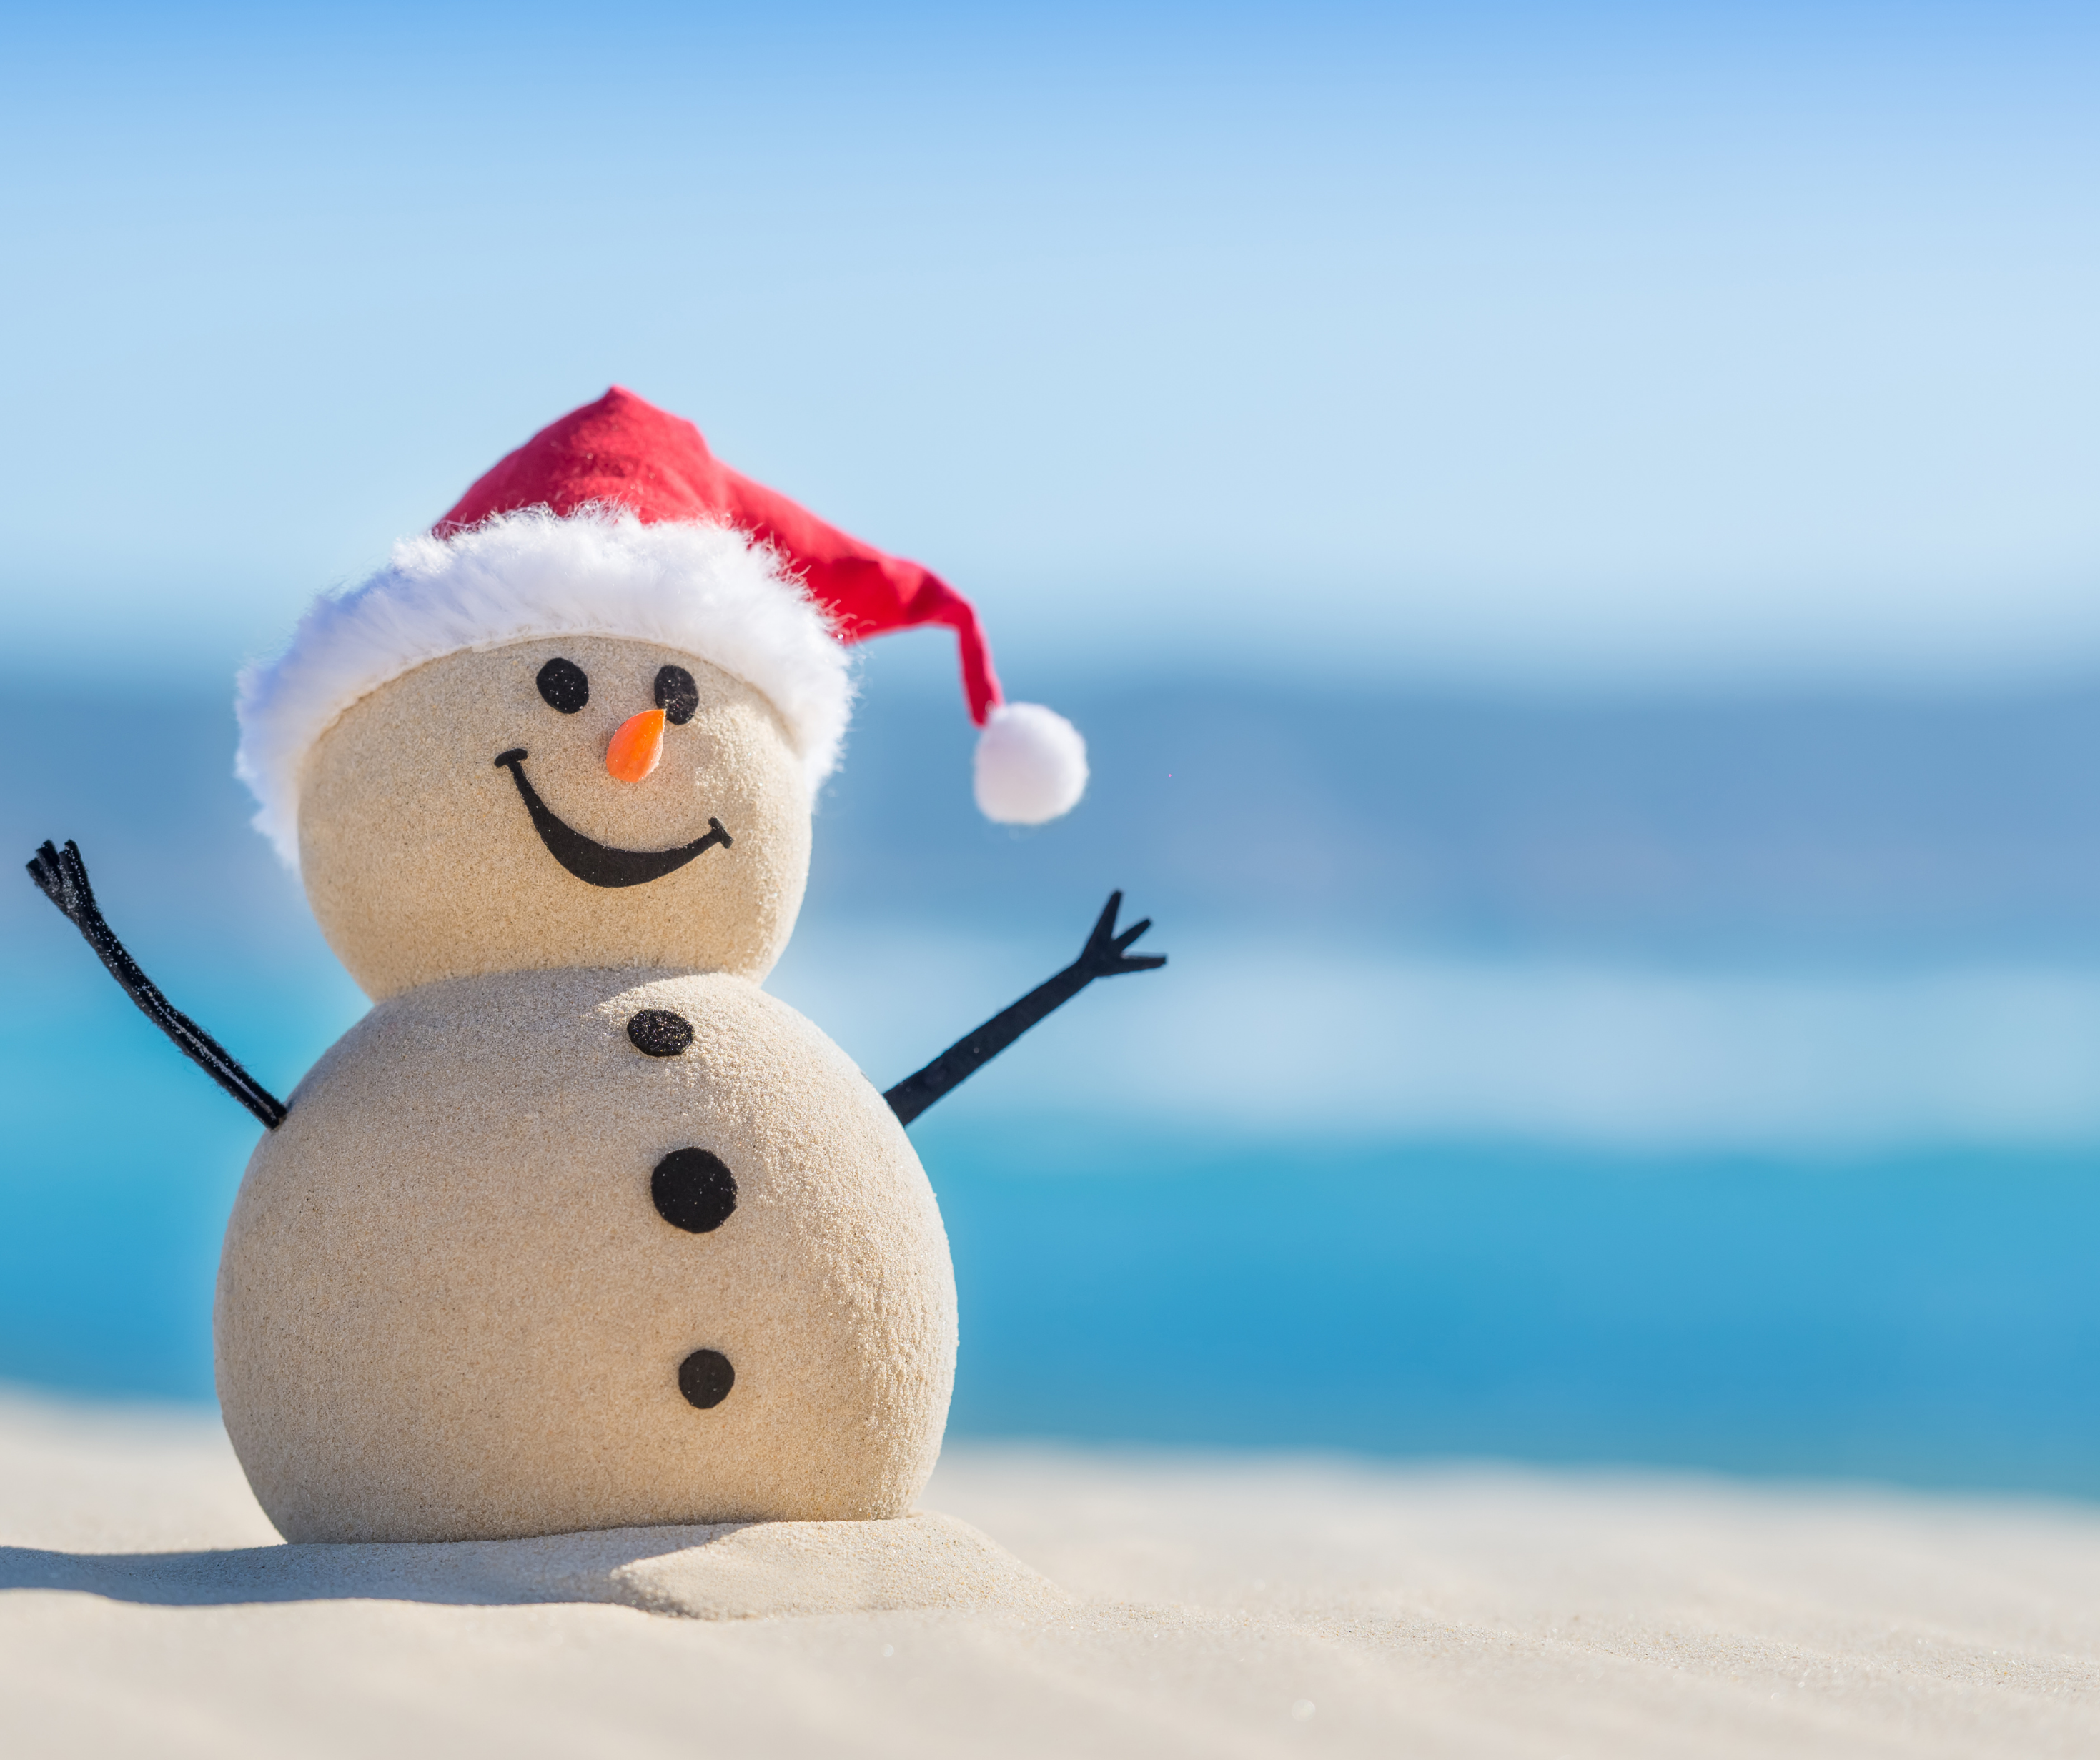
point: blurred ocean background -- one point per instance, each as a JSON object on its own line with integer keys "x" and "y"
{"x": 1711, "y": 1085}
{"x": 1570, "y": 532}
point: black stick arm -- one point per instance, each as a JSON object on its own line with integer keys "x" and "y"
{"x": 61, "y": 876}
{"x": 1104, "y": 957}
{"x": 968, "y": 1055}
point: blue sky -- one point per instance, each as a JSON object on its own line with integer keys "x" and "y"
{"x": 1582, "y": 346}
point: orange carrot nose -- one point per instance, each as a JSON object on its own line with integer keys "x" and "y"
{"x": 637, "y": 747}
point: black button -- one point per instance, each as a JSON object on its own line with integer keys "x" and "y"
{"x": 705, "y": 1377}
{"x": 693, "y": 1190}
{"x": 657, "y": 1033}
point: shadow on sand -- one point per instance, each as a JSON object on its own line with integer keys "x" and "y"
{"x": 727, "y": 1570}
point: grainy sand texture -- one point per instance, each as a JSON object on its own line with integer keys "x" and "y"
{"x": 1063, "y": 1603}
{"x": 449, "y": 1306}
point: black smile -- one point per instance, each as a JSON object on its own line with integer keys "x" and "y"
{"x": 588, "y": 858}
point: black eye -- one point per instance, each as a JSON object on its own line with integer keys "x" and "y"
{"x": 676, "y": 695}
{"x": 563, "y": 683}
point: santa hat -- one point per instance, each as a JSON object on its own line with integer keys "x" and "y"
{"x": 617, "y": 520}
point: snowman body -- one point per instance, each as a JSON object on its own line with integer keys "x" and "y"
{"x": 502, "y": 1271}
{"x": 578, "y": 1228}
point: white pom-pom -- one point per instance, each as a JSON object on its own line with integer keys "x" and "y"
{"x": 1031, "y": 764}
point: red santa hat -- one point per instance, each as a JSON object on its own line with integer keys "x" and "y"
{"x": 617, "y": 520}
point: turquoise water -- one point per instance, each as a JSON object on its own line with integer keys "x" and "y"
{"x": 1925, "y": 1318}
{"x": 1148, "y": 1249}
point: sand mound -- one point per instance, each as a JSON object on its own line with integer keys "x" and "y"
{"x": 726, "y": 1571}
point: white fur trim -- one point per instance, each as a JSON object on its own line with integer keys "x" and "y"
{"x": 1031, "y": 764}
{"x": 704, "y": 589}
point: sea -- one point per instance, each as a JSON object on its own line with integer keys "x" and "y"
{"x": 1694, "y": 1081}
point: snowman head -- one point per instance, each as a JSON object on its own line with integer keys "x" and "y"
{"x": 568, "y": 801}
{"x": 619, "y": 773}
{"x": 581, "y": 722}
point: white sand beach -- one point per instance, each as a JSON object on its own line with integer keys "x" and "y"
{"x": 1065, "y": 1602}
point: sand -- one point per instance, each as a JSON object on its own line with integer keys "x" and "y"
{"x": 449, "y": 1306}
{"x": 421, "y": 861}
{"x": 1065, "y": 1602}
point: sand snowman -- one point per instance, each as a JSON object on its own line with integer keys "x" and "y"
{"x": 578, "y": 1228}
